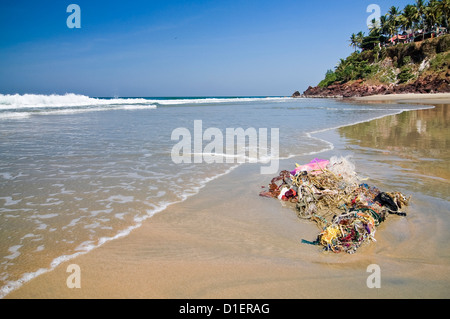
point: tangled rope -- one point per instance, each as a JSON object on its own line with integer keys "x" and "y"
{"x": 331, "y": 194}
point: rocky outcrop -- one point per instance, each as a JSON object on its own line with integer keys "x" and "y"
{"x": 427, "y": 84}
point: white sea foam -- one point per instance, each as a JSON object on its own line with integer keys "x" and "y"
{"x": 107, "y": 107}
{"x": 220, "y": 100}
{"x": 16, "y": 102}
{"x": 9, "y": 176}
{"x": 72, "y": 223}
{"x": 28, "y": 236}
{"x": 8, "y": 102}
{"x": 6, "y": 176}
{"x": 13, "y": 285}
{"x": 119, "y": 216}
{"x": 9, "y": 201}
{"x": 14, "y": 250}
{"x": 14, "y": 115}
{"x": 96, "y": 212}
{"x": 45, "y": 216}
{"x": 23, "y": 106}
{"x": 40, "y": 248}
{"x": 120, "y": 199}
{"x": 42, "y": 226}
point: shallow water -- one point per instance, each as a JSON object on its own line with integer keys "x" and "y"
{"x": 70, "y": 167}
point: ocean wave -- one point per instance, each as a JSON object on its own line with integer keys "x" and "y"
{"x": 18, "y": 106}
{"x": 217, "y": 100}
{"x": 14, "y": 115}
{"x": 23, "y": 106}
{"x": 17, "y": 101}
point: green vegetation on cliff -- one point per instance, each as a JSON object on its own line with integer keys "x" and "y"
{"x": 398, "y": 64}
{"x": 401, "y": 47}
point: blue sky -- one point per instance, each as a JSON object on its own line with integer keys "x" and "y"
{"x": 176, "y": 48}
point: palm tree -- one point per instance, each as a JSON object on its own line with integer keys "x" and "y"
{"x": 374, "y": 27}
{"x": 393, "y": 19}
{"x": 384, "y": 26}
{"x": 420, "y": 5}
{"x": 388, "y": 29}
{"x": 359, "y": 39}
{"x": 409, "y": 19}
{"x": 432, "y": 13}
{"x": 444, "y": 8}
{"x": 374, "y": 37}
{"x": 341, "y": 66}
{"x": 353, "y": 41}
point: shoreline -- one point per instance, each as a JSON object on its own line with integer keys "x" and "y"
{"x": 434, "y": 98}
{"x": 209, "y": 248}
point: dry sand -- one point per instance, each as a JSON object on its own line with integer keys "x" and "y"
{"x": 227, "y": 242}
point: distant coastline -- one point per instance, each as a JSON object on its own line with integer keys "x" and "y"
{"x": 429, "y": 72}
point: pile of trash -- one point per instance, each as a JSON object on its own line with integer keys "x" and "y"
{"x": 330, "y": 193}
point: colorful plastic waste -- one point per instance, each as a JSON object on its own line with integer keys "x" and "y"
{"x": 314, "y": 167}
{"x": 330, "y": 193}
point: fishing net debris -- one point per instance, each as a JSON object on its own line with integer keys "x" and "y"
{"x": 331, "y": 194}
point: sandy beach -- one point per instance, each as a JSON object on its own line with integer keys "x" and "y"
{"x": 228, "y": 242}
{"x": 436, "y": 98}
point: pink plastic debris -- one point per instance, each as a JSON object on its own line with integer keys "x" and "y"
{"x": 316, "y": 166}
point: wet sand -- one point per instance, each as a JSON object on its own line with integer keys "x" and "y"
{"x": 228, "y": 242}
{"x": 442, "y": 98}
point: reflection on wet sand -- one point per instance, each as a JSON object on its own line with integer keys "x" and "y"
{"x": 410, "y": 152}
{"x": 420, "y": 139}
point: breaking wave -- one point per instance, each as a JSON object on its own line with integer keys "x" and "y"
{"x": 18, "y": 106}
{"x": 22, "y": 106}
{"x": 16, "y": 101}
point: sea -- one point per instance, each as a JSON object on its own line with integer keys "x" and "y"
{"x": 79, "y": 171}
